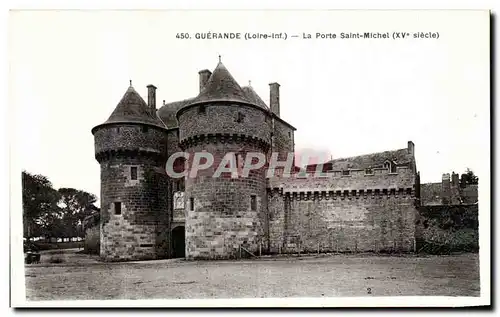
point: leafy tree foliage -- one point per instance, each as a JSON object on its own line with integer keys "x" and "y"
{"x": 49, "y": 212}
{"x": 468, "y": 178}
{"x": 39, "y": 203}
{"x": 76, "y": 205}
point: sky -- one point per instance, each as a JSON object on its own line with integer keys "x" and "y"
{"x": 346, "y": 97}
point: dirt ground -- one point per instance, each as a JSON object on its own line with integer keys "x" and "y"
{"x": 84, "y": 277}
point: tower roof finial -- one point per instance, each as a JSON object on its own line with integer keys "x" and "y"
{"x": 219, "y": 58}
{"x": 249, "y": 83}
{"x": 130, "y": 80}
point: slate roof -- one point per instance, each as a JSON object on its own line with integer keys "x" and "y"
{"x": 133, "y": 109}
{"x": 374, "y": 160}
{"x": 254, "y": 97}
{"x": 168, "y": 111}
{"x": 221, "y": 86}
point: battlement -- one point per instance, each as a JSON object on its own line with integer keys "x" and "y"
{"x": 376, "y": 182}
{"x": 307, "y": 194}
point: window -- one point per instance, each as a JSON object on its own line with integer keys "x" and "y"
{"x": 384, "y": 191}
{"x": 393, "y": 168}
{"x": 290, "y": 134}
{"x": 144, "y": 128}
{"x": 393, "y": 191}
{"x": 369, "y": 171}
{"x": 253, "y": 202}
{"x": 202, "y": 109}
{"x": 240, "y": 117}
{"x": 133, "y": 172}
{"x": 345, "y": 173}
{"x": 117, "y": 130}
{"x": 191, "y": 204}
{"x": 353, "y": 193}
{"x": 118, "y": 208}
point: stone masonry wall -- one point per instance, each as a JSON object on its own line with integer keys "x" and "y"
{"x": 351, "y": 213}
{"x": 139, "y": 232}
{"x": 283, "y": 141}
{"x": 225, "y": 119}
{"x": 130, "y": 137}
{"x": 219, "y": 215}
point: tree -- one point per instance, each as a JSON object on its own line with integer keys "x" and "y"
{"x": 76, "y": 205}
{"x": 39, "y": 201}
{"x": 468, "y": 178}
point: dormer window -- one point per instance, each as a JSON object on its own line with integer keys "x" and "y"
{"x": 144, "y": 128}
{"x": 391, "y": 166}
{"x": 345, "y": 172}
{"x": 369, "y": 171}
{"x": 202, "y": 109}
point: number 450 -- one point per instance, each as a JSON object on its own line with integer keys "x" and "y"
{"x": 182, "y": 35}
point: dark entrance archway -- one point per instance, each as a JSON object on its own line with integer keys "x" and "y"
{"x": 178, "y": 242}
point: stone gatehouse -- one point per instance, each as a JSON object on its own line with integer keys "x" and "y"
{"x": 362, "y": 203}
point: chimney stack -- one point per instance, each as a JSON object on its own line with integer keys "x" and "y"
{"x": 411, "y": 148}
{"x": 454, "y": 179}
{"x": 446, "y": 189}
{"x": 204, "y": 76}
{"x": 274, "y": 98}
{"x": 152, "y": 99}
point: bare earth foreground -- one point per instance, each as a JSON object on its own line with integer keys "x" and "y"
{"x": 83, "y": 277}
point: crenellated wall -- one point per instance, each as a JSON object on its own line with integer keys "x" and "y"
{"x": 352, "y": 213}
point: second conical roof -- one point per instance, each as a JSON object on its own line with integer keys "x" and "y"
{"x": 221, "y": 86}
{"x": 133, "y": 109}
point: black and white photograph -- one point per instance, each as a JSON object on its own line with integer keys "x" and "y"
{"x": 269, "y": 158}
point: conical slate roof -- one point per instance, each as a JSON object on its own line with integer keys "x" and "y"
{"x": 221, "y": 87}
{"x": 133, "y": 109}
{"x": 253, "y": 97}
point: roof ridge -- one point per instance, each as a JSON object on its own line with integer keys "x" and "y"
{"x": 366, "y": 154}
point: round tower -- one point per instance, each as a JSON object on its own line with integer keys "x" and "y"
{"x": 224, "y": 212}
{"x": 131, "y": 149}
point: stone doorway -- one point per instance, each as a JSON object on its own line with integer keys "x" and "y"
{"x": 178, "y": 242}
